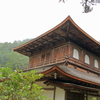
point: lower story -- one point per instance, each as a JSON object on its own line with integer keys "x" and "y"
{"x": 65, "y": 82}
{"x": 57, "y": 93}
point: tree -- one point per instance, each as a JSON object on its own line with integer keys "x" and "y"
{"x": 87, "y": 4}
{"x": 7, "y": 55}
{"x": 17, "y": 60}
{"x": 18, "y": 85}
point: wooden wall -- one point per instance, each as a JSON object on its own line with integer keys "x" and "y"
{"x": 49, "y": 55}
{"x": 57, "y": 53}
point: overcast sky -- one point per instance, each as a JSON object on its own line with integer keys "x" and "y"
{"x": 21, "y": 19}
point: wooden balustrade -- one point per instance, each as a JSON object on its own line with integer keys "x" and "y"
{"x": 48, "y": 62}
{"x": 72, "y": 60}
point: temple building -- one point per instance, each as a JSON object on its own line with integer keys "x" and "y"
{"x": 69, "y": 58}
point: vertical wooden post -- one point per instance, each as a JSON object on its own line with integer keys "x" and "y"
{"x": 66, "y": 94}
{"x": 54, "y": 95}
{"x": 86, "y": 96}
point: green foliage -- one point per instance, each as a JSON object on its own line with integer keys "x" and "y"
{"x": 7, "y": 55}
{"x": 18, "y": 85}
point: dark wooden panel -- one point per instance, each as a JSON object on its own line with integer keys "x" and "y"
{"x": 74, "y": 96}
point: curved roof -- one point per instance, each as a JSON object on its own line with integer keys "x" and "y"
{"x": 76, "y": 74}
{"x": 70, "y": 72}
{"x": 67, "y": 28}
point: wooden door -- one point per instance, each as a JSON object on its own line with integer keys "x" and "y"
{"x": 74, "y": 96}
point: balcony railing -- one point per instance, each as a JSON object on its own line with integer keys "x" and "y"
{"x": 48, "y": 62}
{"x": 62, "y": 59}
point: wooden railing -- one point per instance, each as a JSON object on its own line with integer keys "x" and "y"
{"x": 72, "y": 60}
{"x": 48, "y": 62}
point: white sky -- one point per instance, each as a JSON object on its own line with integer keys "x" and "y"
{"x": 21, "y": 19}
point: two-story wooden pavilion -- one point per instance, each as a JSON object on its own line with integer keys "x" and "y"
{"x": 69, "y": 58}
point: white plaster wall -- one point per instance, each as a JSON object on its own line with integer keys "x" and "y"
{"x": 47, "y": 93}
{"x": 59, "y": 94}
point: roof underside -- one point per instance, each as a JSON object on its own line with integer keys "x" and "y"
{"x": 68, "y": 30}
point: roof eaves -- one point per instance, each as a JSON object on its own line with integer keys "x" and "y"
{"x": 51, "y": 30}
{"x": 68, "y": 18}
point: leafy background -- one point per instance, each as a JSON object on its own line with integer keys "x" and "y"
{"x": 9, "y": 57}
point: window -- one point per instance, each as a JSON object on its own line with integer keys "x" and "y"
{"x": 43, "y": 57}
{"x": 96, "y": 63}
{"x": 87, "y": 59}
{"x": 46, "y": 56}
{"x": 76, "y": 54}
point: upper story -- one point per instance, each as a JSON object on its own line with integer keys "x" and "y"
{"x": 67, "y": 52}
{"x": 65, "y": 42}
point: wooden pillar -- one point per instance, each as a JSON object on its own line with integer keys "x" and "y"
{"x": 54, "y": 95}
{"x": 65, "y": 94}
{"x": 86, "y": 97}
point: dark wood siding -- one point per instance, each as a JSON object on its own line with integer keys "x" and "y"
{"x": 74, "y": 96}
